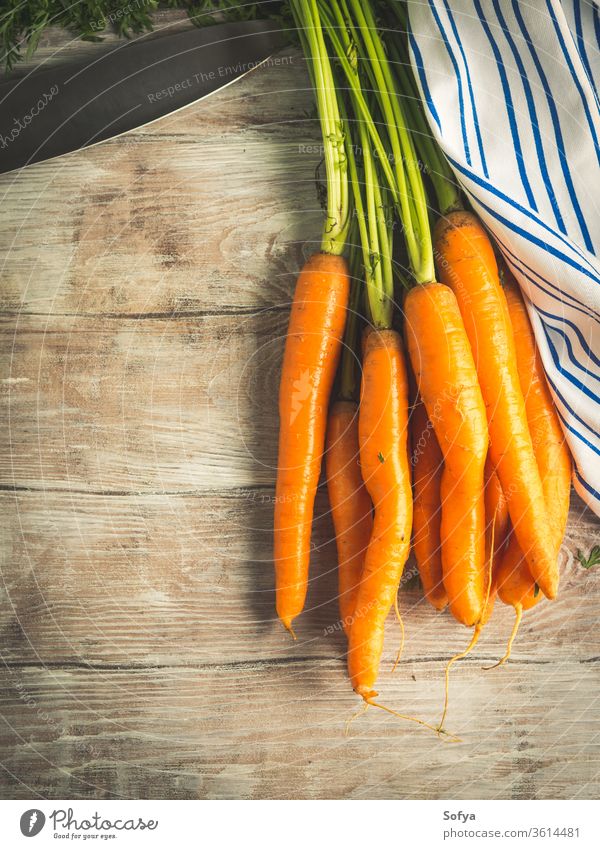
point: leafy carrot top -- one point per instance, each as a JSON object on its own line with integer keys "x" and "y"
{"x": 593, "y": 558}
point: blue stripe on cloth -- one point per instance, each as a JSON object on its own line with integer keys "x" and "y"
{"x": 578, "y": 86}
{"x": 534, "y": 119}
{"x": 579, "y": 436}
{"x": 514, "y": 265}
{"x": 578, "y": 384}
{"x": 517, "y": 262}
{"x": 510, "y": 109}
{"x": 423, "y": 79}
{"x": 571, "y": 411}
{"x": 581, "y": 44}
{"x": 538, "y": 242}
{"x": 461, "y": 102}
{"x": 519, "y": 207}
{"x": 550, "y": 328}
{"x": 560, "y": 145}
{"x": 490, "y": 188}
{"x": 469, "y": 87}
{"x": 586, "y": 485}
{"x": 521, "y": 69}
{"x": 580, "y": 337}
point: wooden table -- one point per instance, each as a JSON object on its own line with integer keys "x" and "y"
{"x": 145, "y": 295}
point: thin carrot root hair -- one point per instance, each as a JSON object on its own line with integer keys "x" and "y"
{"x": 363, "y": 709}
{"x": 511, "y": 639}
{"x": 451, "y": 738}
{"x": 451, "y": 662}
{"x": 475, "y": 637}
{"x": 401, "y": 623}
{"x": 368, "y": 700}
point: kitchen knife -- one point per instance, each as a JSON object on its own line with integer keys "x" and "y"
{"x": 64, "y": 108}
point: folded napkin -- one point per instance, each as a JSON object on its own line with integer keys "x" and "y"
{"x": 511, "y": 95}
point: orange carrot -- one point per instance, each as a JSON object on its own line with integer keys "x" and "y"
{"x": 350, "y": 503}
{"x": 428, "y": 465}
{"x": 516, "y": 584}
{"x": 443, "y": 365}
{"x": 496, "y": 530}
{"x": 467, "y": 264}
{"x": 312, "y": 351}
{"x": 496, "y": 507}
{"x": 383, "y": 437}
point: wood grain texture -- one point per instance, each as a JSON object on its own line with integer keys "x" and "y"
{"x": 157, "y": 405}
{"x": 266, "y": 730}
{"x": 156, "y": 221}
{"x": 145, "y": 291}
{"x": 188, "y": 580}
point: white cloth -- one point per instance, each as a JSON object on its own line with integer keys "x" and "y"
{"x": 510, "y": 91}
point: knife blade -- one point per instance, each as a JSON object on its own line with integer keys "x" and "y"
{"x": 65, "y": 108}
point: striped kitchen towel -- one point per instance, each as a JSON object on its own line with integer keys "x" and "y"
{"x": 511, "y": 94}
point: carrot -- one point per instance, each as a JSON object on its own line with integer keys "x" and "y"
{"x": 350, "y": 504}
{"x": 312, "y": 351}
{"x": 496, "y": 527}
{"x": 496, "y": 530}
{"x": 383, "y": 427}
{"x": 428, "y": 465}
{"x": 467, "y": 264}
{"x": 443, "y": 365}
{"x": 496, "y": 523}
{"x": 351, "y": 507}
{"x": 313, "y": 342}
{"x": 383, "y": 430}
{"x": 516, "y": 584}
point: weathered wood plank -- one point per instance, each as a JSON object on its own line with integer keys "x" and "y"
{"x": 188, "y": 580}
{"x": 120, "y": 405}
{"x": 261, "y": 731}
{"x": 208, "y": 209}
{"x": 140, "y": 656}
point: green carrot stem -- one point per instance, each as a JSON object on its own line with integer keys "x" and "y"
{"x": 433, "y": 159}
{"x": 385, "y": 247}
{"x": 348, "y": 371}
{"x": 343, "y": 51}
{"x": 366, "y": 191}
{"x": 401, "y": 13}
{"x": 359, "y": 211}
{"x": 306, "y": 15}
{"x": 348, "y": 388}
{"x": 360, "y": 33}
{"x": 410, "y": 182}
{"x": 377, "y": 274}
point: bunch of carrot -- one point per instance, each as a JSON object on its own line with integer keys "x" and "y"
{"x": 451, "y": 439}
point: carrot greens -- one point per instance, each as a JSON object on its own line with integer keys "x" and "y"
{"x": 335, "y": 231}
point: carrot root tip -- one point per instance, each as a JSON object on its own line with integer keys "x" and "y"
{"x": 364, "y": 708}
{"x": 451, "y": 662}
{"x": 451, "y": 738}
{"x": 287, "y": 624}
{"x": 401, "y": 623}
{"x": 366, "y": 693}
{"x": 511, "y": 639}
